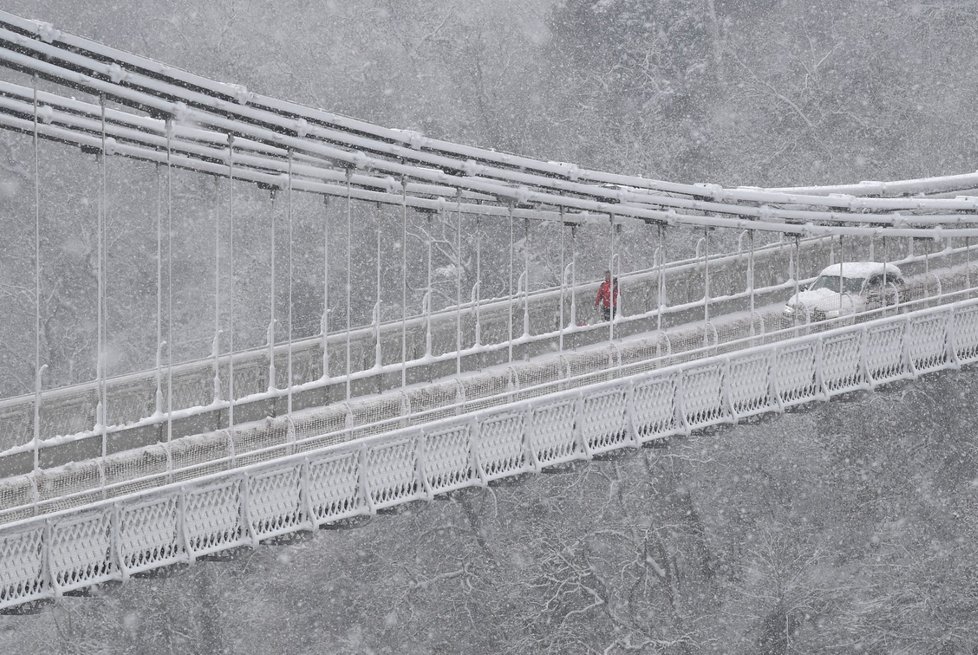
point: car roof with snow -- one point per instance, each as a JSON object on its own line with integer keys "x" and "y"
{"x": 860, "y": 270}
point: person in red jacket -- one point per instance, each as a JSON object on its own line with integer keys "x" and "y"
{"x": 607, "y": 298}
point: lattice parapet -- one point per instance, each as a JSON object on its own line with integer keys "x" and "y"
{"x": 702, "y": 395}
{"x": 654, "y": 411}
{"x": 841, "y": 367}
{"x": 884, "y": 352}
{"x": 213, "y": 518}
{"x": 22, "y": 573}
{"x": 604, "y": 423}
{"x": 448, "y": 460}
{"x": 334, "y": 487}
{"x": 80, "y": 551}
{"x": 501, "y": 447}
{"x": 748, "y": 383}
{"x": 275, "y": 504}
{"x": 964, "y": 331}
{"x": 391, "y": 473}
{"x": 149, "y": 535}
{"x": 554, "y": 436}
{"x": 927, "y": 342}
{"x": 796, "y": 378}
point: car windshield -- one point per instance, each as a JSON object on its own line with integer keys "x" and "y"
{"x": 831, "y": 282}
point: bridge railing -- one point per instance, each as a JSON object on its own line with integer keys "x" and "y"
{"x": 85, "y": 481}
{"x": 483, "y": 324}
{"x": 213, "y": 417}
{"x": 112, "y": 540}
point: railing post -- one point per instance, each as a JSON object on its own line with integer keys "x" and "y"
{"x": 725, "y": 386}
{"x": 772, "y": 372}
{"x": 679, "y": 406}
{"x": 475, "y": 434}
{"x": 115, "y": 551}
{"x": 905, "y": 349}
{"x": 420, "y": 466}
{"x": 579, "y": 427}
{"x": 529, "y": 447}
{"x": 47, "y": 563}
{"x": 819, "y": 368}
{"x": 182, "y": 535}
{"x": 631, "y": 419}
{"x": 245, "y": 511}
{"x": 863, "y": 366}
{"x": 950, "y": 340}
{"x": 364, "y": 483}
{"x": 306, "y": 496}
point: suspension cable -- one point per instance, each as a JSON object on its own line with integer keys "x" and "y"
{"x": 37, "y": 289}
{"x": 291, "y": 271}
{"x": 458, "y": 283}
{"x": 509, "y": 303}
{"x": 560, "y": 336}
{"x": 233, "y": 286}
{"x": 325, "y": 317}
{"x": 403, "y": 282}
{"x": 169, "y": 282}
{"x": 349, "y": 269}
{"x": 100, "y": 349}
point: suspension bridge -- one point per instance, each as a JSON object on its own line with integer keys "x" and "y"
{"x": 283, "y": 317}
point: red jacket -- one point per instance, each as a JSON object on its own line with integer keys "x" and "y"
{"x": 604, "y": 297}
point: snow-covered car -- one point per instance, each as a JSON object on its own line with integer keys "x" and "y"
{"x": 847, "y": 288}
